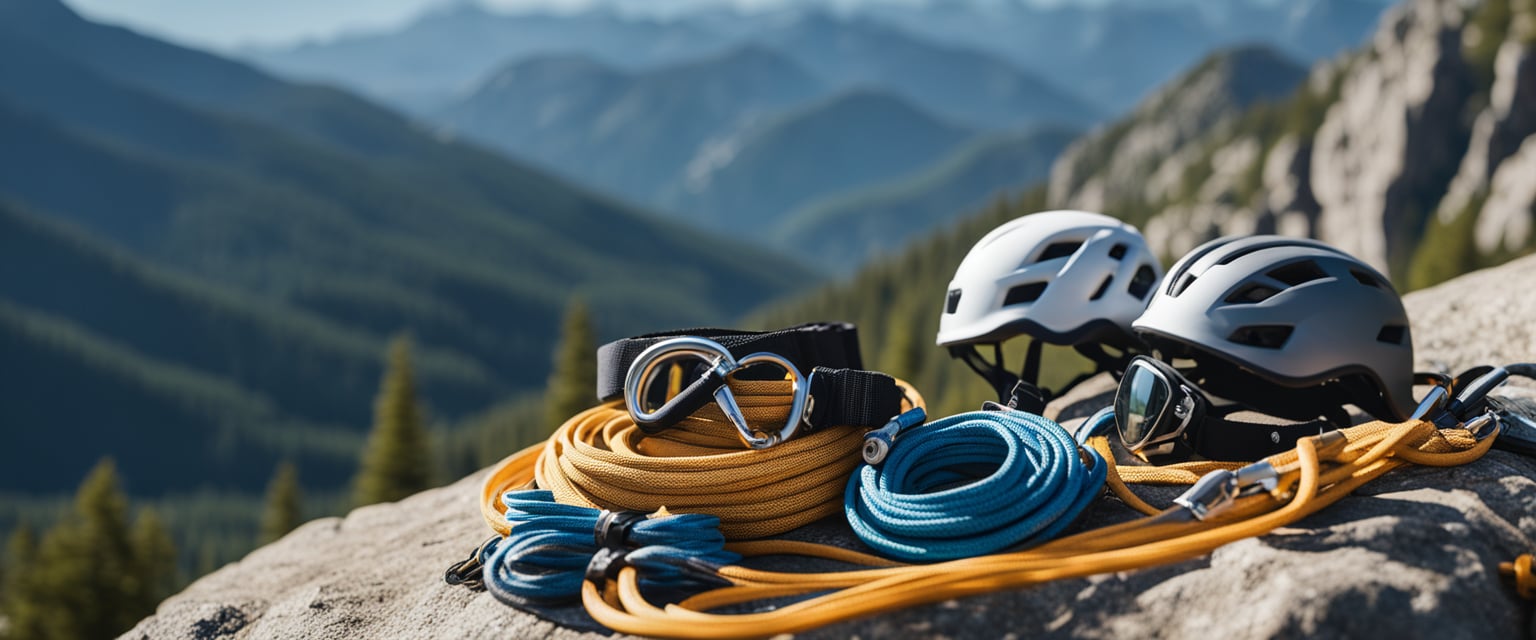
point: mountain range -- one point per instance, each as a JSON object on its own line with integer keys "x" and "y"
{"x": 621, "y": 105}
{"x": 1109, "y": 53}
{"x": 810, "y": 107}
{"x": 233, "y": 250}
{"x": 1115, "y": 53}
{"x": 632, "y": 133}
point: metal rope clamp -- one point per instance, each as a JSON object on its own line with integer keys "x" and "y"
{"x": 722, "y": 365}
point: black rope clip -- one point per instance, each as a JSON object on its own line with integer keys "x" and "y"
{"x": 469, "y": 571}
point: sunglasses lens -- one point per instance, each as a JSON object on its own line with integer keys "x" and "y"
{"x": 1138, "y": 402}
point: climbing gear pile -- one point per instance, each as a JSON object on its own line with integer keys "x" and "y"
{"x": 1225, "y": 507}
{"x": 709, "y": 443}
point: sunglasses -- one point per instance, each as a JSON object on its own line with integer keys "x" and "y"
{"x": 1155, "y": 405}
{"x": 1159, "y": 412}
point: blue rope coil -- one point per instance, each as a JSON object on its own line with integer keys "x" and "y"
{"x": 972, "y": 484}
{"x": 546, "y": 557}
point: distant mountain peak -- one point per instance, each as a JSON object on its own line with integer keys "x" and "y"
{"x": 749, "y": 53}
{"x": 30, "y": 14}
{"x": 1229, "y": 79}
{"x": 456, "y": 9}
{"x": 554, "y": 65}
{"x": 864, "y": 100}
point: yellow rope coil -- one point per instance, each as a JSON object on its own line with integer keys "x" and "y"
{"x": 601, "y": 459}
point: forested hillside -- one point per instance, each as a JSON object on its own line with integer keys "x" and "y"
{"x": 217, "y": 258}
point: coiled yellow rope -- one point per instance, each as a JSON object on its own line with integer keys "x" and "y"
{"x": 601, "y": 459}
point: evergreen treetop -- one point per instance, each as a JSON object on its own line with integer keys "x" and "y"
{"x": 573, "y": 379}
{"x": 284, "y": 506}
{"x": 396, "y": 462}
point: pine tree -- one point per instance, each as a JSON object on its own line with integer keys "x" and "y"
{"x": 902, "y": 351}
{"x": 573, "y": 381}
{"x": 207, "y": 559}
{"x": 156, "y": 555}
{"x": 396, "y": 462}
{"x": 21, "y": 616}
{"x": 284, "y": 509}
{"x": 86, "y": 580}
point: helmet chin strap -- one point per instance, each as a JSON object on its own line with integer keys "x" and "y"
{"x": 1022, "y": 391}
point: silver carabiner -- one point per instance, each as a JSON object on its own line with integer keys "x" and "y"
{"x": 722, "y": 364}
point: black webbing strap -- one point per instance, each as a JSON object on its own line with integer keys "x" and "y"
{"x": 852, "y": 397}
{"x": 1221, "y": 438}
{"x": 807, "y": 346}
{"x": 839, "y": 396}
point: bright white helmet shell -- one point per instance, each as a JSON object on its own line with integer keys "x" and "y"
{"x": 1064, "y": 277}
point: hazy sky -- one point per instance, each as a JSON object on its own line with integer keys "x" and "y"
{"x": 225, "y": 24}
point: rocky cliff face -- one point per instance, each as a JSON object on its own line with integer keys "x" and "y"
{"x": 1412, "y": 554}
{"x": 1425, "y": 131}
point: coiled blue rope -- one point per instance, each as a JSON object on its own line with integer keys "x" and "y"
{"x": 546, "y": 557}
{"x": 972, "y": 484}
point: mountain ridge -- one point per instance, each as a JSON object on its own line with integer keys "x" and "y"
{"x": 846, "y": 228}
{"x": 628, "y": 132}
{"x": 746, "y": 183}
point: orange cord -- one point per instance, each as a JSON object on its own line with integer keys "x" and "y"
{"x": 1525, "y": 579}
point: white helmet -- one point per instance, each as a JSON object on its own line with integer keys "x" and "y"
{"x": 1064, "y": 277}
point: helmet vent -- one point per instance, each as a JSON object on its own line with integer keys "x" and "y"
{"x": 1252, "y": 294}
{"x": 1232, "y": 257}
{"x": 1118, "y": 251}
{"x": 1178, "y": 287}
{"x": 1297, "y": 273}
{"x": 1365, "y": 278}
{"x": 952, "y": 301}
{"x": 1099, "y": 293}
{"x": 1392, "y": 334}
{"x": 1058, "y": 250}
{"x": 1142, "y": 282}
{"x": 1024, "y": 293}
{"x": 1271, "y": 336}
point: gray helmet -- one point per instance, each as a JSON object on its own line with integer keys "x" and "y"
{"x": 1291, "y": 327}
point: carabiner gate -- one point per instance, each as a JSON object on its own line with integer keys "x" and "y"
{"x": 721, "y": 366}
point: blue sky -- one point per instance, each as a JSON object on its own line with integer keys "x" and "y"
{"x": 227, "y": 24}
